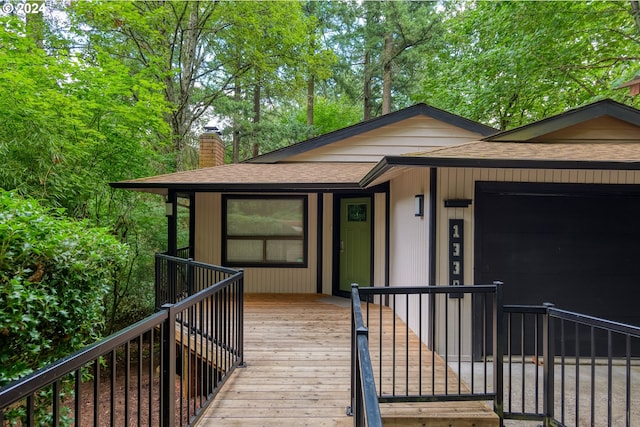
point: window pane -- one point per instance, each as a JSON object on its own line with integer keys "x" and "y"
{"x": 244, "y": 250}
{"x": 285, "y": 251}
{"x": 265, "y": 217}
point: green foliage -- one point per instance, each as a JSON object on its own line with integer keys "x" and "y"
{"x": 68, "y": 127}
{"x": 332, "y": 115}
{"x": 54, "y": 276}
{"x": 511, "y": 63}
{"x": 72, "y": 122}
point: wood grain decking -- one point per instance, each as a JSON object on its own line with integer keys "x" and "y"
{"x": 297, "y": 350}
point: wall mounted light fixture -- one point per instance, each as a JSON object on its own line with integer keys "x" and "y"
{"x": 168, "y": 208}
{"x": 419, "y": 205}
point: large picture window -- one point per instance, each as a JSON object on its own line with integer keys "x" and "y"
{"x": 265, "y": 231}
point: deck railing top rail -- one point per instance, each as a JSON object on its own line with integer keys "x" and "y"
{"x": 596, "y": 322}
{"x": 33, "y": 382}
{"x": 203, "y": 331}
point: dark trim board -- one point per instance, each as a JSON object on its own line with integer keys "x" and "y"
{"x": 319, "y": 241}
{"x": 556, "y": 189}
{"x": 237, "y": 188}
{"x": 389, "y": 162}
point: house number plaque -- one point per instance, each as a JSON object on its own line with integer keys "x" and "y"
{"x": 456, "y": 254}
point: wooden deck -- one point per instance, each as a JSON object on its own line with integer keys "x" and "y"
{"x": 297, "y": 350}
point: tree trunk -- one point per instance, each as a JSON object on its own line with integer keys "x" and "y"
{"x": 311, "y": 80}
{"x": 386, "y": 74}
{"x": 236, "y": 126}
{"x": 256, "y": 119}
{"x": 635, "y": 12}
{"x": 35, "y": 25}
{"x": 310, "y": 98}
{"x": 367, "y": 86}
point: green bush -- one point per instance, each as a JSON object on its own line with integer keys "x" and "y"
{"x": 54, "y": 276}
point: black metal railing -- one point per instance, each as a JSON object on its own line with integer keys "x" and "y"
{"x": 161, "y": 371}
{"x": 176, "y": 280}
{"x": 570, "y": 369}
{"x": 461, "y": 322}
{"x": 364, "y": 399}
{"x": 184, "y": 253}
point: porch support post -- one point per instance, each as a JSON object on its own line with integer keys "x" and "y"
{"x": 433, "y": 208}
{"x": 192, "y": 225}
{"x": 433, "y": 205}
{"x": 172, "y": 223}
{"x": 168, "y": 365}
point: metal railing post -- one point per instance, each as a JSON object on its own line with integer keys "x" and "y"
{"x": 242, "y": 363}
{"x": 498, "y": 351}
{"x": 158, "y": 282}
{"x": 354, "y": 367}
{"x": 190, "y": 285}
{"x": 168, "y": 375}
{"x": 548, "y": 355}
{"x": 359, "y": 405}
{"x": 172, "y": 282}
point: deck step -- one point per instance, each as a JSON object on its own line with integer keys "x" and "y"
{"x": 439, "y": 414}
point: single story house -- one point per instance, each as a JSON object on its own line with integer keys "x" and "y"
{"x": 424, "y": 197}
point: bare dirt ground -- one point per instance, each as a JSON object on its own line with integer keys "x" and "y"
{"x": 143, "y": 408}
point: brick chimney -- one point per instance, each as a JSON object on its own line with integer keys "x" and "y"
{"x": 211, "y": 148}
{"x": 633, "y": 85}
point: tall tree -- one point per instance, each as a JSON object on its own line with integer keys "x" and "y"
{"x": 510, "y": 63}
{"x": 197, "y": 50}
{"x": 397, "y": 35}
{"x": 67, "y": 126}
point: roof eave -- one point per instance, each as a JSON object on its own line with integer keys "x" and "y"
{"x": 164, "y": 188}
{"x": 390, "y": 162}
{"x": 607, "y": 107}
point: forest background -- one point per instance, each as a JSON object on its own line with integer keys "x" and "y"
{"x": 102, "y": 91}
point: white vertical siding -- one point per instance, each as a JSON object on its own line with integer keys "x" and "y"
{"x": 409, "y": 242}
{"x": 408, "y": 234}
{"x": 208, "y": 228}
{"x": 409, "y": 238}
{"x": 379, "y": 239}
{"x": 327, "y": 244}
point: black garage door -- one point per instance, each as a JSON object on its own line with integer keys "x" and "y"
{"x": 577, "y": 246}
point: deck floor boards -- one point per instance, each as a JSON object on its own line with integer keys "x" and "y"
{"x": 297, "y": 350}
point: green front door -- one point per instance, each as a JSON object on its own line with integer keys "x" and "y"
{"x": 355, "y": 243}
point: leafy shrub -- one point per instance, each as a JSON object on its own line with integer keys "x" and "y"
{"x": 54, "y": 275}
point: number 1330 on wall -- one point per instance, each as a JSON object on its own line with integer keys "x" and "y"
{"x": 456, "y": 253}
